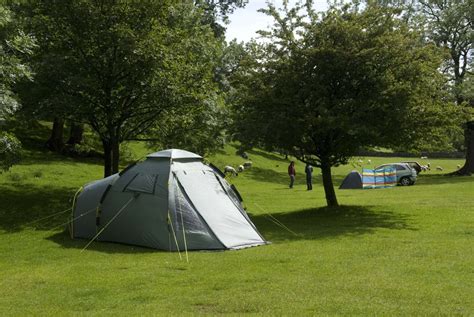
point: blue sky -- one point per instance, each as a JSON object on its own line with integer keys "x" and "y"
{"x": 245, "y": 22}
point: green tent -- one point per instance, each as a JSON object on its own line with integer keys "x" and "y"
{"x": 353, "y": 180}
{"x": 170, "y": 201}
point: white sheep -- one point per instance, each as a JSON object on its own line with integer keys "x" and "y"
{"x": 240, "y": 168}
{"x": 439, "y": 168}
{"x": 248, "y": 164}
{"x": 369, "y": 161}
{"x": 424, "y": 157}
{"x": 230, "y": 170}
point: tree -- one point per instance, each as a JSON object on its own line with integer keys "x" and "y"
{"x": 216, "y": 12}
{"x": 121, "y": 66}
{"x": 322, "y": 89}
{"x": 14, "y": 46}
{"x": 201, "y": 130}
{"x": 450, "y": 24}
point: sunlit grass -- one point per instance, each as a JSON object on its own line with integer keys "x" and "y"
{"x": 399, "y": 251}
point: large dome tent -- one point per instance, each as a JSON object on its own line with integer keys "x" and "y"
{"x": 170, "y": 201}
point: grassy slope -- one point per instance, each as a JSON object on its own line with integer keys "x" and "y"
{"x": 391, "y": 252}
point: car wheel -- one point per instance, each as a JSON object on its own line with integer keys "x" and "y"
{"x": 405, "y": 181}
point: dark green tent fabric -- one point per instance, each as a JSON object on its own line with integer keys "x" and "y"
{"x": 353, "y": 180}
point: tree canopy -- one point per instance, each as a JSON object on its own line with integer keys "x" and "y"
{"x": 123, "y": 66}
{"x": 15, "y": 45}
{"x": 322, "y": 89}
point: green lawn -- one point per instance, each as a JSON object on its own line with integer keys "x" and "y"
{"x": 399, "y": 251}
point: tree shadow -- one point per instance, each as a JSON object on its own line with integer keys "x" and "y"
{"x": 267, "y": 155}
{"x": 326, "y": 223}
{"x": 30, "y": 206}
{"x": 32, "y": 157}
{"x": 266, "y": 175}
{"x": 272, "y": 176}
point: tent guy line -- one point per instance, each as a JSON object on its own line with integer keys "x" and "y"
{"x": 275, "y": 220}
{"x": 113, "y": 218}
{"x": 47, "y": 217}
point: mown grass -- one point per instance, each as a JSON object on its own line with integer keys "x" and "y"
{"x": 400, "y": 251}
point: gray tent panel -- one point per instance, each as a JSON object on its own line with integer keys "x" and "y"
{"x": 218, "y": 210}
{"x": 174, "y": 154}
{"x": 84, "y": 214}
{"x": 142, "y": 222}
{"x": 353, "y": 180}
{"x": 189, "y": 225}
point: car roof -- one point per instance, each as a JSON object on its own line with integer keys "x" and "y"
{"x": 388, "y": 164}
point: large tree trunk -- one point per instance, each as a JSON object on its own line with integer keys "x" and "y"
{"x": 55, "y": 142}
{"x": 76, "y": 133}
{"x": 468, "y": 167}
{"x": 115, "y": 156}
{"x": 106, "y": 144}
{"x": 328, "y": 186}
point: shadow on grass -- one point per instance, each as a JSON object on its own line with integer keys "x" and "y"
{"x": 324, "y": 223}
{"x": 268, "y": 156}
{"x": 267, "y": 175}
{"x": 443, "y": 179}
{"x": 23, "y": 206}
{"x": 46, "y": 157}
{"x": 271, "y": 176}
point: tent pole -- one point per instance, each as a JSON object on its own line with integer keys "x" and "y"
{"x": 71, "y": 225}
{"x": 184, "y": 234}
{"x": 174, "y": 235}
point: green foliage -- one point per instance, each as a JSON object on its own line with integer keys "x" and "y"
{"x": 217, "y": 11}
{"x": 450, "y": 24}
{"x": 10, "y": 151}
{"x": 323, "y": 88}
{"x": 200, "y": 131}
{"x": 14, "y": 47}
{"x": 122, "y": 66}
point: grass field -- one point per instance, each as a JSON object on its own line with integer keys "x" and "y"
{"x": 400, "y": 251}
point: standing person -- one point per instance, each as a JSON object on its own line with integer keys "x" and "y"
{"x": 292, "y": 173}
{"x": 309, "y": 176}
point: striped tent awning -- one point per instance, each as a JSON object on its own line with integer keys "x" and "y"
{"x": 379, "y": 178}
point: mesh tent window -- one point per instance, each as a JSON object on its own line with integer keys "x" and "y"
{"x": 186, "y": 215}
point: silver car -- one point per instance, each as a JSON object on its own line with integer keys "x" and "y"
{"x": 406, "y": 175}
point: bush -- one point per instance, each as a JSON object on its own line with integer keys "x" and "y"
{"x": 10, "y": 151}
